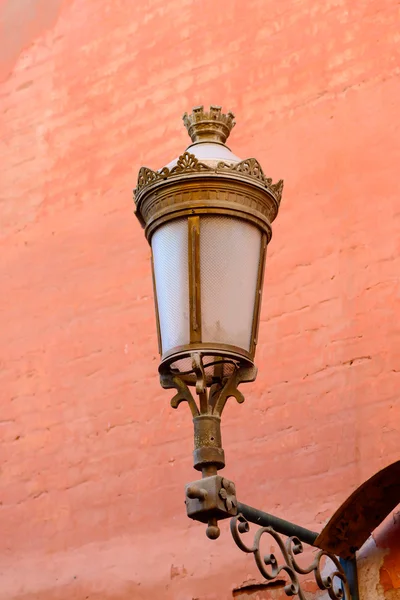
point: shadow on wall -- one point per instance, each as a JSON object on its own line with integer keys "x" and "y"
{"x": 21, "y": 22}
{"x": 262, "y": 591}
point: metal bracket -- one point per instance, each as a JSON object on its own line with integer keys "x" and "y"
{"x": 208, "y": 452}
{"x": 211, "y": 499}
{"x": 334, "y": 580}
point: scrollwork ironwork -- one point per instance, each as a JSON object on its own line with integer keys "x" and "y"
{"x": 334, "y": 582}
{"x": 169, "y": 381}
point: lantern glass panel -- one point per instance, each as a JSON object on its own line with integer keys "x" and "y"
{"x": 229, "y": 263}
{"x": 170, "y": 255}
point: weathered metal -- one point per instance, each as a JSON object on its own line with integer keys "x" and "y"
{"x": 208, "y": 454}
{"x": 350, "y": 568}
{"x": 211, "y": 499}
{"x": 329, "y": 578}
{"x": 361, "y": 513}
{"x": 258, "y": 517}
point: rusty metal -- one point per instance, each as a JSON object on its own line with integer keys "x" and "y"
{"x": 211, "y": 499}
{"x": 259, "y": 517}
{"x": 361, "y": 513}
{"x": 333, "y": 579}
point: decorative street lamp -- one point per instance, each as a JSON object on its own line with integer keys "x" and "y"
{"x": 207, "y": 216}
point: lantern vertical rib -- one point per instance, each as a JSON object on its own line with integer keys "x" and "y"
{"x": 194, "y": 279}
{"x": 258, "y": 300}
{"x": 159, "y": 341}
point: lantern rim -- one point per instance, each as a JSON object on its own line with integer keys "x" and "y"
{"x": 224, "y": 352}
{"x": 196, "y": 193}
{"x": 226, "y": 210}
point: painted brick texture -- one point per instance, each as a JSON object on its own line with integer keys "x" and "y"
{"x": 93, "y": 459}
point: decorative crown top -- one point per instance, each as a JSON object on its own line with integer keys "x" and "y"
{"x": 211, "y": 126}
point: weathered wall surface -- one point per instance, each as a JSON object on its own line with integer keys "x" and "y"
{"x": 379, "y": 561}
{"x": 93, "y": 459}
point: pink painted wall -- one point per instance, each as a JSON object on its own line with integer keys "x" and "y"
{"x": 93, "y": 459}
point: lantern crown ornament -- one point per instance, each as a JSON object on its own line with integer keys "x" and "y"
{"x": 212, "y": 125}
{"x": 207, "y": 216}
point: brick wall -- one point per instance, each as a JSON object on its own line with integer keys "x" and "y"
{"x": 93, "y": 459}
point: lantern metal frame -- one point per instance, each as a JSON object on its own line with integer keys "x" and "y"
{"x": 191, "y": 189}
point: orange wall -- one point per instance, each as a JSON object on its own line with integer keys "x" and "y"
{"x": 93, "y": 459}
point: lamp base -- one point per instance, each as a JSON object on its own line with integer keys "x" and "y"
{"x": 218, "y": 362}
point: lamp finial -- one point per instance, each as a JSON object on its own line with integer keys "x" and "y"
{"x": 209, "y": 126}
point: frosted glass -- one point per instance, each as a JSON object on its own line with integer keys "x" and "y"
{"x": 229, "y": 259}
{"x": 209, "y": 153}
{"x": 170, "y": 255}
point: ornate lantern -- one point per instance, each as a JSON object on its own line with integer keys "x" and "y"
{"x": 207, "y": 216}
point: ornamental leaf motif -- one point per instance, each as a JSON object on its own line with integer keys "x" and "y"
{"x": 188, "y": 162}
{"x": 228, "y": 493}
{"x": 252, "y": 168}
{"x": 249, "y": 166}
{"x": 146, "y": 176}
{"x": 277, "y": 189}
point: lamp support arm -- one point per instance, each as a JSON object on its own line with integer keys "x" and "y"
{"x": 263, "y": 519}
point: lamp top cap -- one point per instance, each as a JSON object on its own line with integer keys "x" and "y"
{"x": 209, "y": 126}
